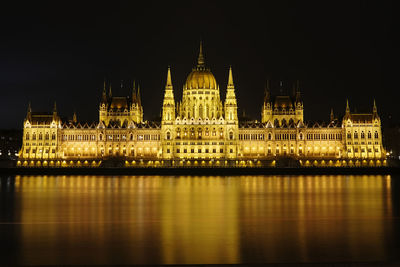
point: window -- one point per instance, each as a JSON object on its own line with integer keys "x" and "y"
{"x": 355, "y": 135}
{"x": 376, "y": 134}
{"x": 221, "y": 150}
{"x": 362, "y": 135}
{"x": 168, "y": 135}
{"x": 369, "y": 135}
{"x": 46, "y": 136}
{"x": 27, "y": 136}
{"x": 199, "y": 150}
{"x": 214, "y": 150}
{"x": 168, "y": 151}
{"x": 53, "y": 136}
{"x": 349, "y": 135}
{"x": 40, "y": 136}
{"x": 192, "y": 150}
{"x": 178, "y": 150}
{"x": 231, "y": 136}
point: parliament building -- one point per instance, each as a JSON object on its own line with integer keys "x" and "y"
{"x": 201, "y": 130}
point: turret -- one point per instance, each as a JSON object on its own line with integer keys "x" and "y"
{"x": 29, "y": 112}
{"x": 375, "y": 111}
{"x": 134, "y": 93}
{"x": 104, "y": 94}
{"x": 230, "y": 101}
{"x": 55, "y": 111}
{"x": 347, "y": 112}
{"x": 266, "y": 110}
{"x": 168, "y": 109}
{"x": 74, "y": 118}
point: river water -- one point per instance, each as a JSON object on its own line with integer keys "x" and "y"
{"x": 199, "y": 220}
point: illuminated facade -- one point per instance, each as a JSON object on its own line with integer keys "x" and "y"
{"x": 201, "y": 129}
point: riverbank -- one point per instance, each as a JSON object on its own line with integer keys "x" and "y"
{"x": 203, "y": 171}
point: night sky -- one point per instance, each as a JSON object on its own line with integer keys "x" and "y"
{"x": 54, "y": 52}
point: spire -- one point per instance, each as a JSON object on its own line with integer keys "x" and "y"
{"x": 29, "y": 113}
{"x": 230, "y": 79}
{"x": 332, "y": 115}
{"x": 375, "y": 111}
{"x": 134, "y": 92}
{"x": 110, "y": 92}
{"x": 267, "y": 92}
{"x": 74, "y": 119}
{"x": 169, "y": 80}
{"x": 55, "y": 107}
{"x": 200, "y": 60}
{"x": 139, "y": 101}
{"x": 347, "y": 107}
{"x": 104, "y": 94}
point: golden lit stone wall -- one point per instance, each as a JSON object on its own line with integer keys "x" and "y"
{"x": 40, "y": 140}
{"x": 363, "y": 139}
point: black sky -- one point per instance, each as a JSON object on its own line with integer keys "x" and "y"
{"x": 62, "y": 52}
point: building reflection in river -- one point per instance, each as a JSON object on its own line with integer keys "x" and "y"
{"x": 177, "y": 220}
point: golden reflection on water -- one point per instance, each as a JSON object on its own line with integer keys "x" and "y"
{"x": 177, "y": 220}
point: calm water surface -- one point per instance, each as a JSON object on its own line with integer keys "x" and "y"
{"x": 198, "y": 220}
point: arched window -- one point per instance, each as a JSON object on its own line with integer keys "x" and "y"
{"x": 269, "y": 136}
{"x": 376, "y": 134}
{"x": 101, "y": 137}
{"x": 53, "y": 136}
{"x": 27, "y": 136}
{"x": 301, "y": 136}
{"x": 40, "y": 136}
{"x": 369, "y": 135}
{"x": 231, "y": 136}
{"x": 46, "y": 137}
{"x": 362, "y": 135}
{"x": 349, "y": 135}
{"x": 168, "y": 135}
{"x": 355, "y": 134}
{"x": 131, "y": 137}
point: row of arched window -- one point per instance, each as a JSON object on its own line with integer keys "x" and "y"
{"x": 40, "y": 136}
{"x": 362, "y": 135}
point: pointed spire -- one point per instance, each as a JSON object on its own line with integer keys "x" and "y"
{"x": 74, "y": 118}
{"x": 267, "y": 92}
{"x": 169, "y": 80}
{"x": 347, "y": 107}
{"x": 230, "y": 79}
{"x": 110, "y": 92}
{"x": 104, "y": 94}
{"x": 200, "y": 60}
{"x": 134, "y": 92}
{"x": 332, "y": 115}
{"x": 139, "y": 101}
{"x": 29, "y": 113}
{"x": 374, "y": 109}
{"x": 55, "y": 107}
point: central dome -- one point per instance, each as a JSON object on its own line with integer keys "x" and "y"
{"x": 200, "y": 77}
